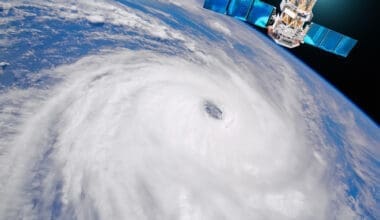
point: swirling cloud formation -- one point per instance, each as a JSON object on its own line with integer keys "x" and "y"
{"x": 184, "y": 124}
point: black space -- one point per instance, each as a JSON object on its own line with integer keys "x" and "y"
{"x": 356, "y": 76}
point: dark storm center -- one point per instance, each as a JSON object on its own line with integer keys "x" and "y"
{"x": 213, "y": 110}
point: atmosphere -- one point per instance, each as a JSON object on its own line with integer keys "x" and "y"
{"x": 166, "y": 110}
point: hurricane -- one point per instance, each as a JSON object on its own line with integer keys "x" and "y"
{"x": 187, "y": 131}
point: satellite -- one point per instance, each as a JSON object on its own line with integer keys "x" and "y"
{"x": 289, "y": 28}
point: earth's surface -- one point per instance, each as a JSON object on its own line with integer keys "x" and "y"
{"x": 164, "y": 110}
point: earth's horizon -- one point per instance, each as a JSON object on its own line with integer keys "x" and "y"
{"x": 159, "y": 109}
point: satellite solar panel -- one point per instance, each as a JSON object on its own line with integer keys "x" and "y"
{"x": 260, "y": 13}
{"x": 345, "y": 45}
{"x": 329, "y": 40}
{"x": 219, "y": 6}
{"x": 239, "y": 8}
{"x": 252, "y": 11}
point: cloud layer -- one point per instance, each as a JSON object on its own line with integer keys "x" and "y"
{"x": 125, "y": 134}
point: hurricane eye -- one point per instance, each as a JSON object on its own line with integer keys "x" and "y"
{"x": 213, "y": 110}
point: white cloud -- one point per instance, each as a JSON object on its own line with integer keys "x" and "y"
{"x": 3, "y": 65}
{"x": 220, "y": 27}
{"x": 129, "y": 135}
{"x": 102, "y": 11}
{"x": 125, "y": 135}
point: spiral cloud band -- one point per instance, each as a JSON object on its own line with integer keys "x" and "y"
{"x": 128, "y": 135}
{"x": 166, "y": 125}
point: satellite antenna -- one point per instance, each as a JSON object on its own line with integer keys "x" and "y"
{"x": 289, "y": 28}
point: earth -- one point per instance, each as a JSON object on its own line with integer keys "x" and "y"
{"x": 160, "y": 109}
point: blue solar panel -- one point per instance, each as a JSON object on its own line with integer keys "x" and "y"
{"x": 217, "y": 5}
{"x": 260, "y": 13}
{"x": 239, "y": 8}
{"x": 345, "y": 46}
{"x": 253, "y": 11}
{"x": 329, "y": 40}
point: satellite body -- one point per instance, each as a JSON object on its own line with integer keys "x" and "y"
{"x": 289, "y": 28}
